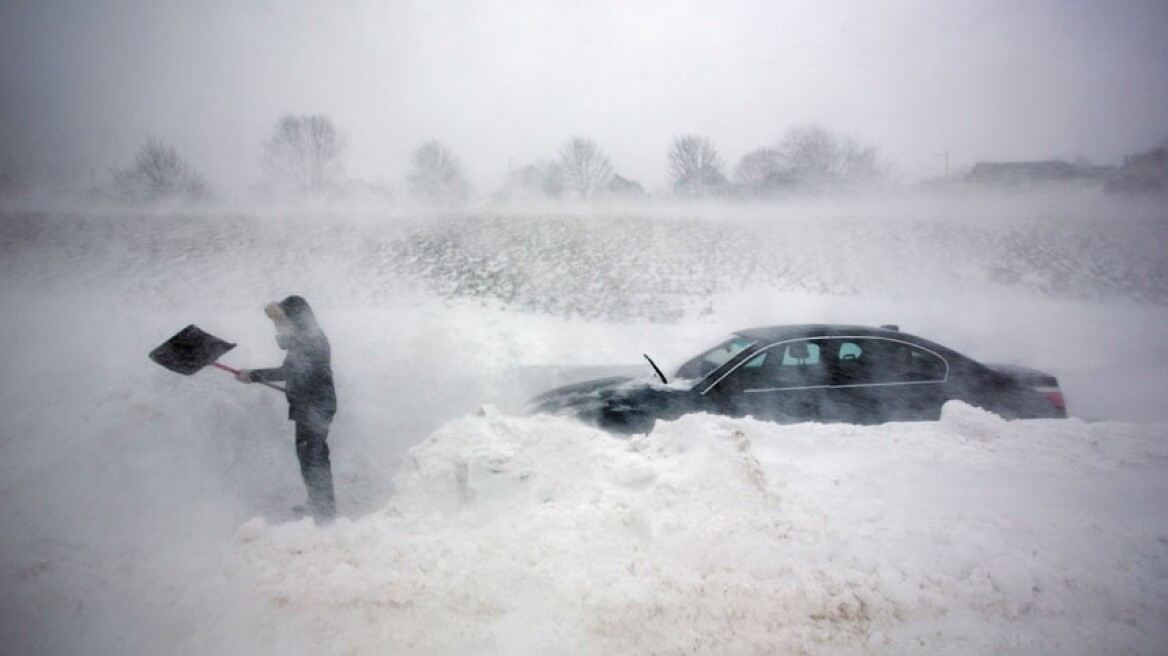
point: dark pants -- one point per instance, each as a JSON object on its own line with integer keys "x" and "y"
{"x": 313, "y": 452}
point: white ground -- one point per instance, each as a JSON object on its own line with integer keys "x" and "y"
{"x": 143, "y": 512}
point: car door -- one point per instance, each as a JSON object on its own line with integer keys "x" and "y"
{"x": 880, "y": 379}
{"x": 782, "y": 382}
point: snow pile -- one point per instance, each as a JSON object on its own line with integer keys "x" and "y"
{"x": 711, "y": 535}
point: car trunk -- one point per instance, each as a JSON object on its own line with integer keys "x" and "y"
{"x": 1040, "y": 381}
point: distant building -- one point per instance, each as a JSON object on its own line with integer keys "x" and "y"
{"x": 1142, "y": 173}
{"x": 624, "y": 188}
{"x": 1023, "y": 174}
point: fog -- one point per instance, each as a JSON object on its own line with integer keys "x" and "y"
{"x": 145, "y": 512}
{"x": 503, "y": 84}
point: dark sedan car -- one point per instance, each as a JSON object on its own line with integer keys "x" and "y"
{"x": 827, "y": 373}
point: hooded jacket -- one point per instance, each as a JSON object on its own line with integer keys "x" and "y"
{"x": 307, "y": 369}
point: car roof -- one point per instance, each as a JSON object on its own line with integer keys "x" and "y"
{"x": 796, "y": 331}
{"x": 772, "y": 334}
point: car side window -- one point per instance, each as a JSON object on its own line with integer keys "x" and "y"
{"x": 872, "y": 361}
{"x": 784, "y": 365}
{"x": 926, "y": 366}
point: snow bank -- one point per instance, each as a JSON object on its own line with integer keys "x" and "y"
{"x": 709, "y": 535}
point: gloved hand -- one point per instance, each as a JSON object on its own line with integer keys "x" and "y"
{"x": 244, "y": 376}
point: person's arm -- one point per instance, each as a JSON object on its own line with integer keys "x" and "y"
{"x": 264, "y": 375}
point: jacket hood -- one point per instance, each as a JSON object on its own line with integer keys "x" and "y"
{"x": 297, "y": 311}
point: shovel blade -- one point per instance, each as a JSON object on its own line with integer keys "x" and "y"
{"x": 190, "y": 350}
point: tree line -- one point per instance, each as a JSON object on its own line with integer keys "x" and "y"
{"x": 303, "y": 158}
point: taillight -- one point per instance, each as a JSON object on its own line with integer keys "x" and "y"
{"x": 1054, "y": 395}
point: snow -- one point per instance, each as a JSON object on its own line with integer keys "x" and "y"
{"x": 143, "y": 512}
{"x": 736, "y": 536}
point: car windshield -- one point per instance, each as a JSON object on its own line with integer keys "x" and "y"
{"x": 700, "y": 366}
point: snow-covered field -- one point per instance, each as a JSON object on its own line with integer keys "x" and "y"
{"x": 143, "y": 512}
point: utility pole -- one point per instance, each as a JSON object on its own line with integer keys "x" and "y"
{"x": 945, "y": 154}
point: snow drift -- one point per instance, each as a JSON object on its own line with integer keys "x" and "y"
{"x": 711, "y": 535}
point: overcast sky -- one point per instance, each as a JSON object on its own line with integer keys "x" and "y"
{"x": 86, "y": 81}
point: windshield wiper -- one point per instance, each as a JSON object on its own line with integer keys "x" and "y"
{"x": 655, "y": 368}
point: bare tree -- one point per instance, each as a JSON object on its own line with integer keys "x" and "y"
{"x": 437, "y": 178}
{"x": 159, "y": 173}
{"x": 304, "y": 154}
{"x": 816, "y": 157}
{"x": 758, "y": 166}
{"x": 694, "y": 165}
{"x": 585, "y": 167}
{"x": 691, "y": 153}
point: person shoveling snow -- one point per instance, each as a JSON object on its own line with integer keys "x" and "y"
{"x": 312, "y": 400}
{"x": 308, "y": 377}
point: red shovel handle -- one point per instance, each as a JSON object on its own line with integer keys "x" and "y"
{"x": 236, "y": 371}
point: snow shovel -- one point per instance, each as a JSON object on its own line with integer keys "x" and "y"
{"x": 191, "y": 349}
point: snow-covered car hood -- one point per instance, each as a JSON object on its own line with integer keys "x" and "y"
{"x": 619, "y": 404}
{"x": 585, "y": 397}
